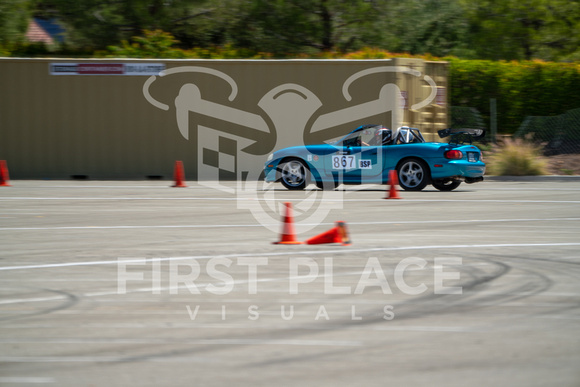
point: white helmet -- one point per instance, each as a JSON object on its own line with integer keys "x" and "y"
{"x": 405, "y": 136}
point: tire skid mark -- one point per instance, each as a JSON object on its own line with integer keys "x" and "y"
{"x": 65, "y": 300}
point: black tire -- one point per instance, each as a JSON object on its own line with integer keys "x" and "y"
{"x": 294, "y": 174}
{"x": 446, "y": 184}
{"x": 413, "y": 174}
{"x": 326, "y": 185}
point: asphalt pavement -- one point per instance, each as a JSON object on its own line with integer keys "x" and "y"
{"x": 122, "y": 283}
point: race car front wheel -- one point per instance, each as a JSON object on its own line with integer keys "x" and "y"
{"x": 413, "y": 174}
{"x": 294, "y": 174}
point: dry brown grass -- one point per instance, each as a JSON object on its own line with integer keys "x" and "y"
{"x": 516, "y": 157}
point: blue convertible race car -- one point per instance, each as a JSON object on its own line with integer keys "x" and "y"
{"x": 370, "y": 152}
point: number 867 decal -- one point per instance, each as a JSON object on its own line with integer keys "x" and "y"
{"x": 349, "y": 162}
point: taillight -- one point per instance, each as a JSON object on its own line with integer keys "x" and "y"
{"x": 453, "y": 154}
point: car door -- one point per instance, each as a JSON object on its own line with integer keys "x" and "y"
{"x": 354, "y": 161}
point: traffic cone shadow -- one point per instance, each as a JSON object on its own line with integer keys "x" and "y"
{"x": 288, "y": 234}
{"x": 337, "y": 234}
{"x": 179, "y": 175}
{"x": 393, "y": 193}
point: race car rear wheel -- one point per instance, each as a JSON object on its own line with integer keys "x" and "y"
{"x": 413, "y": 174}
{"x": 446, "y": 184}
{"x": 293, "y": 174}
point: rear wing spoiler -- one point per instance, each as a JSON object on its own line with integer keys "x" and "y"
{"x": 462, "y": 134}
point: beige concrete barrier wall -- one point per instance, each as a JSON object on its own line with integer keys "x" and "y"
{"x": 220, "y": 117}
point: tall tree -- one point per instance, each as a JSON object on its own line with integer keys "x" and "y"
{"x": 486, "y": 29}
{"x": 436, "y": 27}
{"x": 98, "y": 23}
{"x": 14, "y": 18}
{"x": 523, "y": 29}
{"x": 295, "y": 26}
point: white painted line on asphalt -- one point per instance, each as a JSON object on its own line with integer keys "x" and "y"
{"x": 158, "y": 290}
{"x": 26, "y": 198}
{"x": 344, "y": 250}
{"x": 106, "y": 186}
{"x": 12, "y": 282}
{"x": 26, "y": 379}
{"x": 489, "y": 201}
{"x": 304, "y": 224}
{"x": 527, "y": 294}
{"x": 168, "y": 311}
{"x": 474, "y": 200}
{"x": 35, "y": 299}
{"x": 469, "y": 221}
{"x": 250, "y": 325}
{"x": 131, "y": 227}
{"x": 61, "y": 359}
{"x": 155, "y": 290}
{"x": 268, "y": 341}
{"x": 160, "y": 186}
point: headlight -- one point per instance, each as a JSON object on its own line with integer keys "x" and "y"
{"x": 270, "y": 157}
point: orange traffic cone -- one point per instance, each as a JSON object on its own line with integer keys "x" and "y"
{"x": 338, "y": 234}
{"x": 343, "y": 233}
{"x": 4, "y": 179}
{"x": 179, "y": 175}
{"x": 288, "y": 235}
{"x": 393, "y": 182}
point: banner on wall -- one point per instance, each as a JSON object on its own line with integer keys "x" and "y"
{"x": 147, "y": 69}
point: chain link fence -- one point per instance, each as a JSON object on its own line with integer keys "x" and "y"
{"x": 466, "y": 117}
{"x": 560, "y": 134}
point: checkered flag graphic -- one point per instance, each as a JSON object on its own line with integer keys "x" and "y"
{"x": 220, "y": 158}
{"x": 223, "y": 159}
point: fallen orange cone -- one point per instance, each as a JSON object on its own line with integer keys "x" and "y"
{"x": 4, "y": 179}
{"x": 393, "y": 182}
{"x": 338, "y": 234}
{"x": 288, "y": 234}
{"x": 179, "y": 175}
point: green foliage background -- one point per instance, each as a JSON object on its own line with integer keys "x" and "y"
{"x": 520, "y": 88}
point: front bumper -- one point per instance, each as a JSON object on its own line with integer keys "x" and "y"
{"x": 270, "y": 174}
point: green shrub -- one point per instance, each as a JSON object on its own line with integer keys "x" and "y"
{"x": 153, "y": 44}
{"x": 521, "y": 89}
{"x": 516, "y": 157}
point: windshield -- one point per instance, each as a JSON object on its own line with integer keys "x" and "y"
{"x": 371, "y": 135}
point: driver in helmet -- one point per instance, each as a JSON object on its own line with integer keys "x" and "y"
{"x": 383, "y": 136}
{"x": 405, "y": 136}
